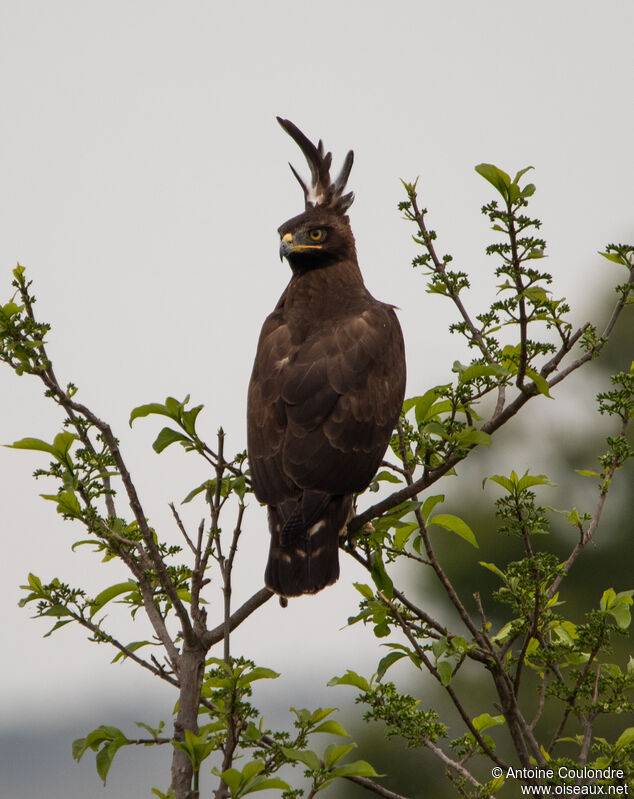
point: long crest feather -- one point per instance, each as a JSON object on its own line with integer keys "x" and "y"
{"x": 322, "y": 191}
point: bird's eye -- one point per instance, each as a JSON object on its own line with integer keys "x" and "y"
{"x": 316, "y": 235}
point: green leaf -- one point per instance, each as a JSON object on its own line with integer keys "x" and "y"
{"x": 57, "y": 626}
{"x": 166, "y": 437}
{"x": 445, "y": 670}
{"x": 429, "y": 504}
{"x": 195, "y": 491}
{"x": 387, "y": 661}
{"x": 607, "y": 600}
{"x": 622, "y": 615}
{"x": 503, "y": 481}
{"x": 106, "y": 754}
{"x": 105, "y": 732}
{"x": 258, "y": 673}
{"x": 364, "y": 590}
{"x": 360, "y": 768}
{"x": 35, "y": 444}
{"x": 522, "y": 172}
{"x": 529, "y": 480}
{"x": 57, "y": 611}
{"x": 421, "y": 404}
{"x": 151, "y": 408}
{"x": 79, "y": 748}
{"x": 455, "y": 525}
{"x": 625, "y": 738}
{"x": 63, "y": 442}
{"x": 482, "y": 370}
{"x": 472, "y": 436}
{"x": 131, "y": 647}
{"x": 307, "y": 757}
{"x": 484, "y": 721}
{"x": 566, "y": 631}
{"x": 351, "y": 678}
{"x": 334, "y": 753}
{"x": 319, "y": 714}
{"x": 439, "y": 647}
{"x": 196, "y": 747}
{"x": 110, "y": 593}
{"x": 331, "y": 727}
{"x": 618, "y": 605}
{"x": 615, "y": 258}
{"x": 492, "y": 568}
{"x": 573, "y": 517}
{"x": 251, "y": 770}
{"x": 504, "y": 633}
{"x": 67, "y": 503}
{"x": 540, "y": 382}
{"x": 496, "y": 177}
{"x": 387, "y": 477}
{"x": 403, "y": 534}
{"x": 189, "y": 419}
{"x": 112, "y": 739}
{"x": 587, "y": 473}
{"x": 233, "y": 779}
{"x": 379, "y": 575}
{"x": 265, "y": 784}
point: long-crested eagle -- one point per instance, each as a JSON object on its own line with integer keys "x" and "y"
{"x": 326, "y": 389}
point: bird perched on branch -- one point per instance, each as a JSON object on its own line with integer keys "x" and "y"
{"x": 326, "y": 389}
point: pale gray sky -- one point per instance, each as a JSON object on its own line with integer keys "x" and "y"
{"x": 142, "y": 179}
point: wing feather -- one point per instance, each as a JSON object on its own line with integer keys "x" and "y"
{"x": 321, "y": 411}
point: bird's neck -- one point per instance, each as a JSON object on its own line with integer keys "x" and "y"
{"x": 324, "y": 290}
{"x": 327, "y": 278}
{"x": 311, "y": 300}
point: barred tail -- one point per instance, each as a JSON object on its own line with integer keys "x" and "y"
{"x": 304, "y": 554}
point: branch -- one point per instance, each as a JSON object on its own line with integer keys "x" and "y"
{"x": 454, "y": 765}
{"x": 212, "y": 637}
{"x": 133, "y": 499}
{"x": 100, "y": 635}
{"x": 435, "y": 673}
{"x": 439, "y": 268}
{"x": 586, "y": 537}
{"x": 519, "y": 287}
{"x": 366, "y": 782}
{"x": 181, "y": 527}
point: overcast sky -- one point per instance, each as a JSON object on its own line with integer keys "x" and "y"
{"x": 142, "y": 180}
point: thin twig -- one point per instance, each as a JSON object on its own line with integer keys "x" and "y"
{"x": 181, "y": 527}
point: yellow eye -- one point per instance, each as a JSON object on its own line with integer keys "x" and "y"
{"x": 316, "y": 235}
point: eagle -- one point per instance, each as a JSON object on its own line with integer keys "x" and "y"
{"x": 326, "y": 389}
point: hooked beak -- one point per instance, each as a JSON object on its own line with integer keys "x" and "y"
{"x": 288, "y": 246}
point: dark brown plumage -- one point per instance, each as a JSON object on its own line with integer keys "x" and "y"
{"x": 326, "y": 389}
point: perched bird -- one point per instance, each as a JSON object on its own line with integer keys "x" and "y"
{"x": 326, "y": 389}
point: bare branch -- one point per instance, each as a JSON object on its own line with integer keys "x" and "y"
{"x": 366, "y": 782}
{"x": 181, "y": 527}
{"x": 259, "y": 598}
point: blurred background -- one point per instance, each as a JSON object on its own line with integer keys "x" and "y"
{"x": 142, "y": 180}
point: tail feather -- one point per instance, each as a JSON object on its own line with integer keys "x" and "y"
{"x": 304, "y": 554}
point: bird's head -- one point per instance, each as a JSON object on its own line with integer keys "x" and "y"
{"x": 321, "y": 235}
{"x": 315, "y": 238}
